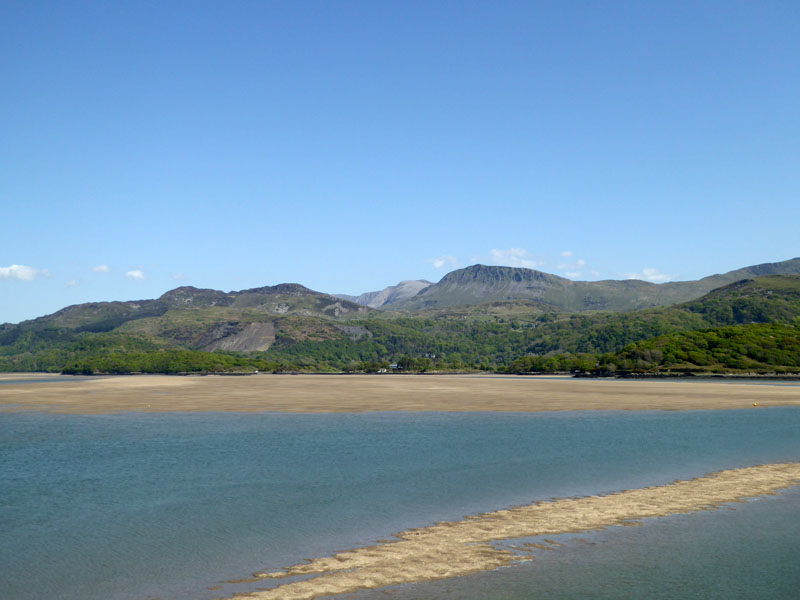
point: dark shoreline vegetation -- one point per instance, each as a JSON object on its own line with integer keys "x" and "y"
{"x": 747, "y": 327}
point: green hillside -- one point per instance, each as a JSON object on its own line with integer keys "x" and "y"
{"x": 765, "y": 299}
{"x": 756, "y": 348}
{"x": 291, "y": 328}
{"x": 761, "y": 300}
{"x": 493, "y": 336}
{"x": 624, "y": 342}
{"x": 193, "y": 321}
{"x": 756, "y": 328}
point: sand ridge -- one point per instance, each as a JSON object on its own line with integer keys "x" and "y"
{"x": 358, "y": 393}
{"x": 458, "y": 548}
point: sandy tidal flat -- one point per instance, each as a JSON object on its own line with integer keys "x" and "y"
{"x": 358, "y": 393}
{"x": 452, "y": 549}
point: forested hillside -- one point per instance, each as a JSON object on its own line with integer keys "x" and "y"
{"x": 193, "y": 333}
{"x": 759, "y": 348}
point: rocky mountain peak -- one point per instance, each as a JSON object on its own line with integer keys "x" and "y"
{"x": 188, "y": 296}
{"x": 281, "y": 288}
{"x": 491, "y": 274}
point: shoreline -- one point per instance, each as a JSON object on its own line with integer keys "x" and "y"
{"x": 457, "y": 548}
{"x": 363, "y": 393}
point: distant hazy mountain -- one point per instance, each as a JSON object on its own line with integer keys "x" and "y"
{"x": 389, "y": 295}
{"x": 479, "y": 284}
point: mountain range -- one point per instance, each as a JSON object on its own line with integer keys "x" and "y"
{"x": 479, "y": 284}
{"x": 473, "y": 285}
{"x": 477, "y": 317}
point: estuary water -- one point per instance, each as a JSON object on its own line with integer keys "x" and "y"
{"x": 138, "y": 506}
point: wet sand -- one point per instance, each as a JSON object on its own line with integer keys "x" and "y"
{"x": 452, "y": 549}
{"x": 359, "y": 393}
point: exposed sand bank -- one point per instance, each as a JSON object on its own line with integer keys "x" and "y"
{"x": 357, "y": 393}
{"x": 452, "y": 549}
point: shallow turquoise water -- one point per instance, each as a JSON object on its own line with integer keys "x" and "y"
{"x": 139, "y": 505}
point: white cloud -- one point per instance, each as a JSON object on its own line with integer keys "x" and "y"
{"x": 567, "y": 253}
{"x": 650, "y": 274}
{"x": 101, "y": 269}
{"x": 71, "y": 283}
{"x": 443, "y": 261}
{"x": 514, "y": 257}
{"x": 179, "y": 276}
{"x": 571, "y": 270}
{"x": 22, "y": 273}
{"x": 136, "y": 274}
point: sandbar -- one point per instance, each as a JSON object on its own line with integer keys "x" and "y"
{"x": 359, "y": 393}
{"x": 457, "y": 548}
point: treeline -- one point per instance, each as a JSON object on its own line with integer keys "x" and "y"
{"x": 58, "y": 350}
{"x": 165, "y": 361}
{"x": 52, "y": 349}
{"x": 764, "y": 347}
{"x": 433, "y": 346}
{"x": 555, "y": 363}
{"x": 754, "y": 348}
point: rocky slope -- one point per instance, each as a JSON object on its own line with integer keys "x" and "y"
{"x": 389, "y": 295}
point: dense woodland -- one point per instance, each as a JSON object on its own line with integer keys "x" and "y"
{"x": 748, "y": 326}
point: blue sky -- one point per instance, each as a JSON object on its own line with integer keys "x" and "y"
{"x": 350, "y": 145}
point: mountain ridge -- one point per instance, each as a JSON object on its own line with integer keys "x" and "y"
{"x": 478, "y": 284}
{"x": 138, "y": 337}
{"x": 473, "y": 285}
{"x": 281, "y": 299}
